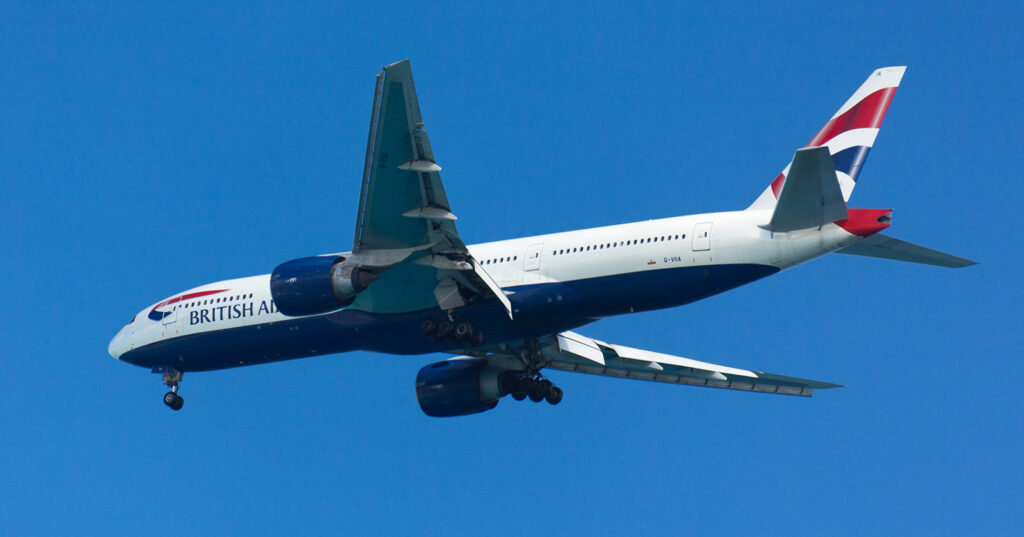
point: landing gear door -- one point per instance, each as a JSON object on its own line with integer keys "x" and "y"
{"x": 532, "y": 261}
{"x": 702, "y": 237}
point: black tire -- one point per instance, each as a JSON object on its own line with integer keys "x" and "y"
{"x": 539, "y": 390}
{"x": 554, "y": 395}
{"x": 170, "y": 398}
{"x": 428, "y": 326}
{"x": 180, "y": 402}
{"x": 463, "y": 332}
{"x": 444, "y": 329}
{"x": 523, "y": 388}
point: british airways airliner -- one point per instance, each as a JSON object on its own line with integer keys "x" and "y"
{"x": 509, "y": 309}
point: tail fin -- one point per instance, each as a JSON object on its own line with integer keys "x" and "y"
{"x": 850, "y": 133}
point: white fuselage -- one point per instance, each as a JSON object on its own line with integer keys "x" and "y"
{"x": 705, "y": 240}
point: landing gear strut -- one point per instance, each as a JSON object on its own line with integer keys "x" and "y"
{"x": 452, "y": 329}
{"x": 530, "y": 383}
{"x": 171, "y": 378}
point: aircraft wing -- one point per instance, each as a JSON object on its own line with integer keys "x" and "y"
{"x": 569, "y": 351}
{"x": 405, "y": 230}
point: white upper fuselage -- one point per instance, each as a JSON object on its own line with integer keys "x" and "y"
{"x": 728, "y": 238}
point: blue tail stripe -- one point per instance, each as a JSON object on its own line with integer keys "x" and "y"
{"x": 850, "y": 160}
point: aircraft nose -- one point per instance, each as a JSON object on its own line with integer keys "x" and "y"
{"x": 118, "y": 346}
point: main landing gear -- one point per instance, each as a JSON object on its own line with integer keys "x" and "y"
{"x": 532, "y": 385}
{"x": 452, "y": 329}
{"x": 171, "y": 378}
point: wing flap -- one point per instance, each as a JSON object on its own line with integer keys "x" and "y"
{"x": 574, "y": 352}
{"x": 584, "y": 347}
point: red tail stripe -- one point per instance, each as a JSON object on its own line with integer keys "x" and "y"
{"x": 868, "y": 113}
{"x": 777, "y": 184}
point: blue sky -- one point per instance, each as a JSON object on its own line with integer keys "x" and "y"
{"x": 148, "y": 149}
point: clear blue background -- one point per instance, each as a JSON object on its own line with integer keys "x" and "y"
{"x": 148, "y": 149}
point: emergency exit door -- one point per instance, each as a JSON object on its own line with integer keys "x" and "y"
{"x": 532, "y": 261}
{"x": 702, "y": 237}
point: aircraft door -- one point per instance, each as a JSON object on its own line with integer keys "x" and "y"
{"x": 532, "y": 260}
{"x": 172, "y": 314}
{"x": 702, "y": 237}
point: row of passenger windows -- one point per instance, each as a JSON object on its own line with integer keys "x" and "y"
{"x": 214, "y": 301}
{"x": 500, "y": 260}
{"x": 663, "y": 238}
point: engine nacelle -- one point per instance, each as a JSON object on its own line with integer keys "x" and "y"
{"x": 310, "y": 285}
{"x": 458, "y": 387}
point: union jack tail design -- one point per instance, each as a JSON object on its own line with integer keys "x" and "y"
{"x": 850, "y": 133}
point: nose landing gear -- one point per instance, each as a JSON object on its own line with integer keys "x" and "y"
{"x": 171, "y": 378}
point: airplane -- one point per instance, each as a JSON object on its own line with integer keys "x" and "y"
{"x": 508, "y": 309}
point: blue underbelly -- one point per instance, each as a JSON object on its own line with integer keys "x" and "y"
{"x": 540, "y": 310}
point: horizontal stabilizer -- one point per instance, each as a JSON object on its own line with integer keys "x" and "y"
{"x": 879, "y": 245}
{"x": 811, "y": 196}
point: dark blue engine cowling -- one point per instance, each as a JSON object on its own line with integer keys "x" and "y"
{"x": 458, "y": 387}
{"x": 311, "y": 285}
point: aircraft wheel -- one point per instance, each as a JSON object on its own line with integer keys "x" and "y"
{"x": 523, "y": 388}
{"x": 463, "y": 332}
{"x": 428, "y": 326}
{"x": 174, "y": 400}
{"x": 539, "y": 390}
{"x": 554, "y": 395}
{"x": 444, "y": 329}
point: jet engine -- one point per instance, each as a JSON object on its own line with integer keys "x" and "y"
{"x": 310, "y": 285}
{"x": 459, "y": 386}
